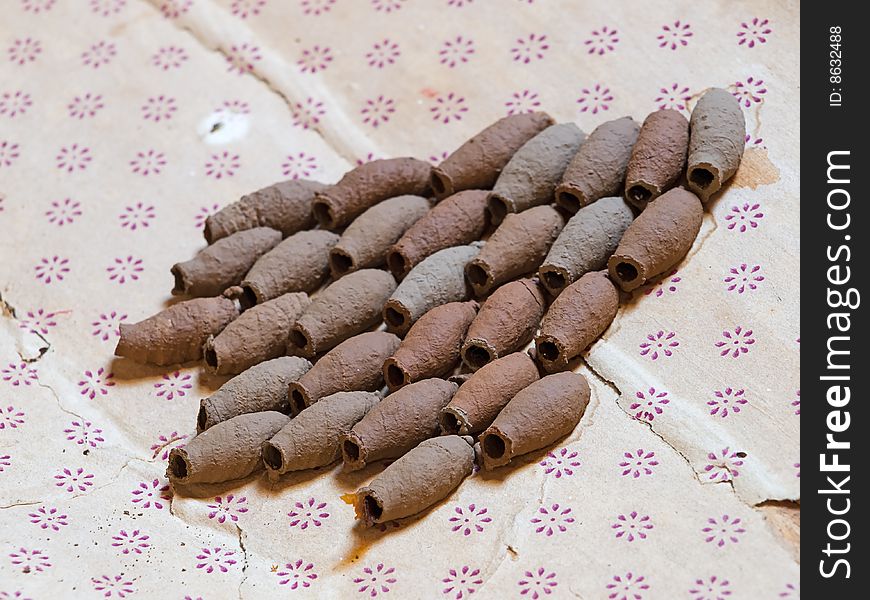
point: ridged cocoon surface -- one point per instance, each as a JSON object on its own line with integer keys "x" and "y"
{"x": 589, "y": 238}
{"x": 260, "y": 333}
{"x": 517, "y": 247}
{"x": 176, "y": 334}
{"x": 537, "y": 416}
{"x": 313, "y": 438}
{"x": 657, "y": 240}
{"x": 598, "y": 168}
{"x": 460, "y": 219}
{"x": 432, "y": 346}
{"x": 576, "y": 318}
{"x": 370, "y": 183}
{"x": 477, "y": 163}
{"x": 229, "y": 450}
{"x": 507, "y": 321}
{"x": 658, "y": 157}
{"x": 716, "y": 142}
{"x": 263, "y": 387}
{"x": 347, "y": 307}
{"x": 531, "y": 176}
{"x": 285, "y": 206}
{"x": 422, "y": 477}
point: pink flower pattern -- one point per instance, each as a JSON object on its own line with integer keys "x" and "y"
{"x": 632, "y": 526}
{"x": 723, "y": 465}
{"x": 316, "y": 7}
{"x": 242, "y": 57}
{"x": 456, "y": 51}
{"x": 74, "y": 480}
{"x": 8, "y": 153}
{"x": 307, "y": 114}
{"x": 148, "y": 162}
{"x": 675, "y": 35}
{"x": 668, "y": 284}
{"x": 750, "y": 91}
{"x": 136, "y": 216}
{"x": 204, "y": 213}
{"x": 14, "y": 103}
{"x": 727, "y": 401}
{"x": 23, "y": 51}
{"x": 159, "y": 108}
{"x": 627, "y": 587}
{"x": 148, "y": 494}
{"x": 298, "y": 166}
{"x": 753, "y": 32}
{"x": 659, "y": 344}
{"x": 448, "y": 107}
{"x": 537, "y": 583}
{"x": 529, "y": 48}
{"x": 674, "y": 97}
{"x": 377, "y": 111}
{"x": 165, "y": 443}
{"x": 735, "y": 343}
{"x": 111, "y": 586}
{"x": 37, "y": 6}
{"x": 84, "y": 433}
{"x": 307, "y": 513}
{"x": 99, "y": 54}
{"x": 522, "y": 102}
{"x": 638, "y": 463}
{"x": 461, "y": 583}
{"x": 85, "y": 106}
{"x": 228, "y": 507}
{"x": 10, "y": 417}
{"x": 387, "y": 6}
{"x": 5, "y": 461}
{"x": 743, "y": 217}
{"x": 383, "y": 53}
{"x": 173, "y": 384}
{"x": 49, "y": 518}
{"x": 19, "y": 373}
{"x": 133, "y": 541}
{"x": 297, "y": 574}
{"x": 375, "y": 580}
{"x": 169, "y": 57}
{"x": 723, "y": 530}
{"x": 107, "y": 8}
{"x": 560, "y": 463}
{"x": 172, "y": 9}
{"x": 602, "y": 40}
{"x": 125, "y": 269}
{"x": 223, "y": 165}
{"x": 797, "y": 403}
{"x": 743, "y": 278}
{"x": 594, "y": 99}
{"x": 29, "y": 561}
{"x": 552, "y": 519}
{"x": 63, "y": 212}
{"x": 107, "y": 325}
{"x": 314, "y": 59}
{"x": 247, "y": 8}
{"x": 469, "y": 519}
{"x": 712, "y": 588}
{"x": 73, "y": 158}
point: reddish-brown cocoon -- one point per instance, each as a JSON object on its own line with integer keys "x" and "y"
{"x": 577, "y": 317}
{"x": 455, "y": 221}
{"x": 480, "y": 399}
{"x": 419, "y": 479}
{"x": 224, "y": 263}
{"x": 477, "y": 163}
{"x": 507, "y": 321}
{"x": 397, "y": 423}
{"x": 229, "y": 450}
{"x": 285, "y": 206}
{"x": 536, "y": 417}
{"x": 176, "y": 335}
{"x": 260, "y": 333}
{"x": 518, "y": 246}
{"x": 657, "y": 239}
{"x": 368, "y": 184}
{"x": 717, "y": 142}
{"x": 658, "y": 157}
{"x": 431, "y": 347}
{"x": 355, "y": 364}
{"x": 349, "y": 306}
{"x": 298, "y": 264}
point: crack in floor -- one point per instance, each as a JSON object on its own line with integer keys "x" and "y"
{"x": 244, "y": 550}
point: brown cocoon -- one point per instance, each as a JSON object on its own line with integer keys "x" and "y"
{"x": 716, "y": 143}
{"x": 347, "y": 307}
{"x": 285, "y": 206}
{"x": 224, "y": 263}
{"x": 598, "y": 168}
{"x": 263, "y": 387}
{"x": 437, "y": 280}
{"x": 422, "y": 477}
{"x": 476, "y": 164}
{"x": 365, "y": 242}
{"x": 480, "y": 399}
{"x": 229, "y": 450}
{"x": 537, "y": 416}
{"x": 176, "y": 334}
{"x": 589, "y": 238}
{"x": 507, "y": 321}
{"x": 657, "y": 240}
{"x": 431, "y": 347}
{"x": 298, "y": 264}
{"x": 260, "y": 333}
{"x": 313, "y": 438}
{"x": 658, "y": 157}
{"x": 576, "y": 318}
{"x": 368, "y": 184}
{"x": 397, "y": 423}
{"x": 518, "y": 246}
{"x": 532, "y": 174}
{"x": 457, "y": 220}
{"x": 355, "y": 364}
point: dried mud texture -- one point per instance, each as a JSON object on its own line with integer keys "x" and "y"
{"x": 477, "y": 163}
{"x": 479, "y": 400}
{"x": 313, "y": 439}
{"x": 355, "y": 364}
{"x": 657, "y": 240}
{"x": 437, "y": 280}
{"x": 507, "y": 321}
{"x": 285, "y": 206}
{"x": 176, "y": 334}
{"x": 422, "y": 477}
{"x": 581, "y": 313}
{"x": 517, "y": 247}
{"x": 263, "y": 387}
{"x": 370, "y": 183}
{"x": 658, "y": 157}
{"x": 260, "y": 333}
{"x": 716, "y": 142}
{"x": 460, "y": 219}
{"x": 598, "y": 168}
{"x": 347, "y": 307}
{"x": 432, "y": 346}
{"x": 224, "y": 263}
{"x": 589, "y": 238}
{"x": 298, "y": 264}
{"x": 537, "y": 416}
{"x": 397, "y": 423}
{"x": 365, "y": 242}
{"x": 531, "y": 176}
{"x": 229, "y": 450}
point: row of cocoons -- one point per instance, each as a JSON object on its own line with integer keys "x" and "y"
{"x": 569, "y": 220}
